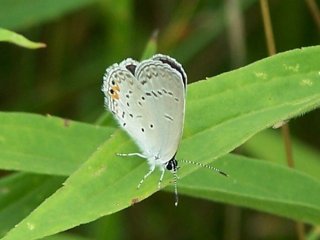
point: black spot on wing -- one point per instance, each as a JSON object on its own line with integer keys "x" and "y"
{"x": 143, "y": 82}
{"x": 154, "y": 94}
{"x": 176, "y": 67}
{"x": 168, "y": 117}
{"x": 131, "y": 68}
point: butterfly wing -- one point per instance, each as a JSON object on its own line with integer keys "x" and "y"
{"x": 163, "y": 83}
{"x": 148, "y": 100}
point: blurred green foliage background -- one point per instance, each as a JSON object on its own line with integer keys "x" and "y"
{"x": 84, "y": 37}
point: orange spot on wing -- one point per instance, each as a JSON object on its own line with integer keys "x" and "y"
{"x": 116, "y": 91}
{"x": 116, "y": 88}
{"x": 115, "y": 95}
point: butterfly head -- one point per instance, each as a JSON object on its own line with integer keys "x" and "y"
{"x": 172, "y": 165}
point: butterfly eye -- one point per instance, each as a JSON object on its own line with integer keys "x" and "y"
{"x": 172, "y": 165}
{"x": 169, "y": 167}
{"x": 111, "y": 91}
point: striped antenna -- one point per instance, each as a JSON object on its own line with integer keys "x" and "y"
{"x": 175, "y": 179}
{"x": 205, "y": 166}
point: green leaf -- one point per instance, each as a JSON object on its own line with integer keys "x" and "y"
{"x": 306, "y": 159}
{"x": 20, "y": 194}
{"x": 222, "y": 113}
{"x": 66, "y": 236}
{"x": 20, "y": 14}
{"x": 12, "y": 37}
{"x": 260, "y": 185}
{"x": 46, "y": 144}
{"x": 151, "y": 47}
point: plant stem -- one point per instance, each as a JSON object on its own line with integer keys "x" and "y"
{"x": 285, "y": 128}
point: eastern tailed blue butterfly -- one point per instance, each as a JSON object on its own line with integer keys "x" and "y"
{"x": 148, "y": 100}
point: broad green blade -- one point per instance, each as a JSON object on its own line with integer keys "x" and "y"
{"x": 66, "y": 236}
{"x": 305, "y": 158}
{"x": 46, "y": 144}
{"x": 20, "y": 194}
{"x": 222, "y": 113}
{"x": 260, "y": 185}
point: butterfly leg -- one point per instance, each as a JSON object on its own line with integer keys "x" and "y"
{"x": 131, "y": 154}
{"x": 145, "y": 176}
{"x": 161, "y": 177}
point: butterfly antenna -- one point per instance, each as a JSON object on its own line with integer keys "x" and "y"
{"x": 205, "y": 166}
{"x": 175, "y": 179}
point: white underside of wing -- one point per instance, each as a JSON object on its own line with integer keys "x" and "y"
{"x": 149, "y": 104}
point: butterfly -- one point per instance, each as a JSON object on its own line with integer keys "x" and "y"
{"x": 147, "y": 99}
